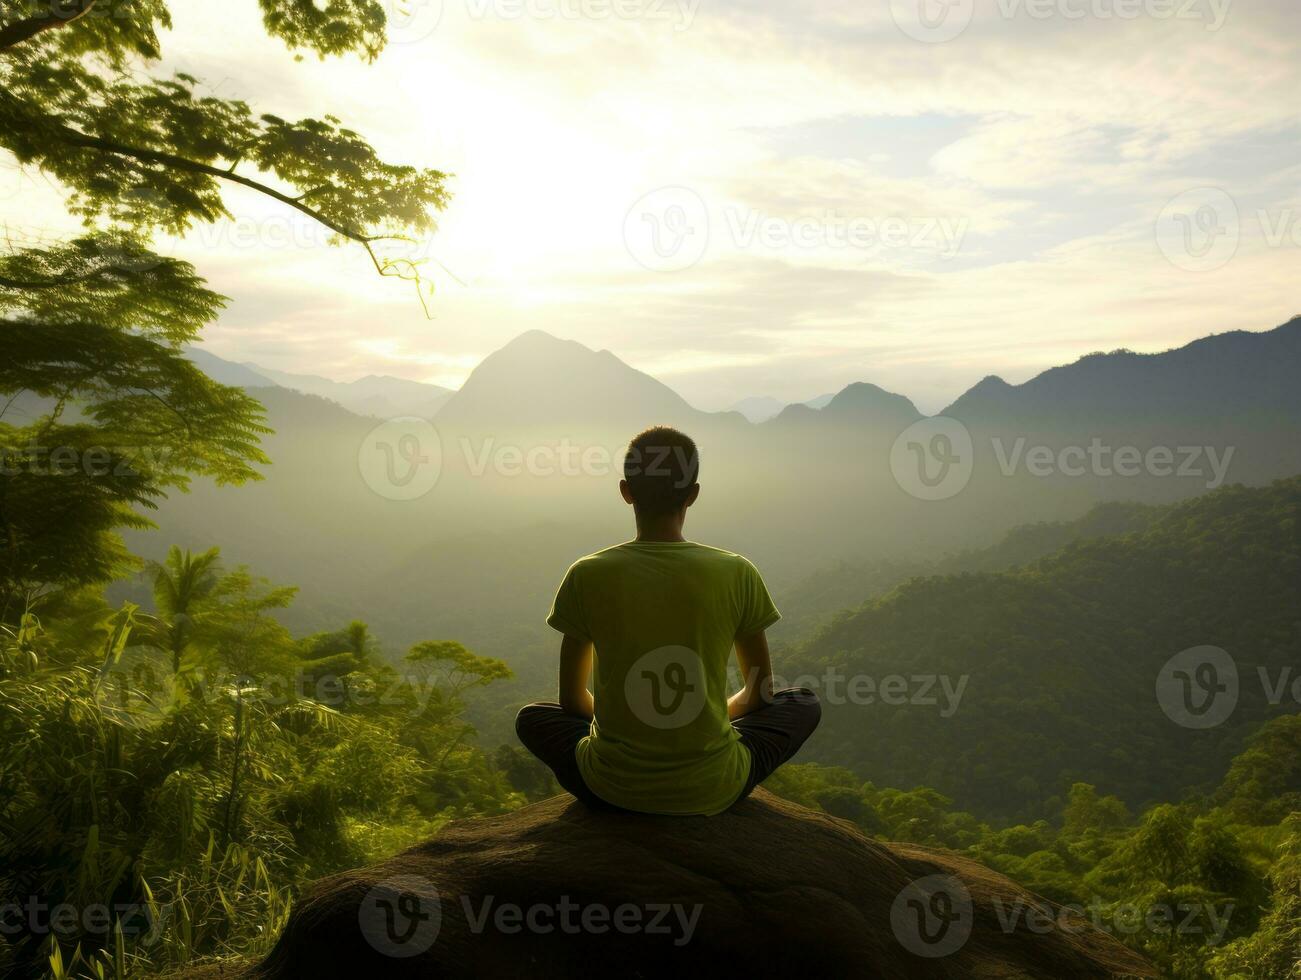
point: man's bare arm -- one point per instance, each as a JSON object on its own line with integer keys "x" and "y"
{"x": 756, "y": 670}
{"x": 575, "y": 666}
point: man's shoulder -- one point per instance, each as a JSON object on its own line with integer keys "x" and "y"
{"x": 605, "y": 554}
{"x": 721, "y": 562}
{"x": 596, "y": 558}
{"x": 722, "y": 555}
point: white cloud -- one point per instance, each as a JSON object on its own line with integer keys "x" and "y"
{"x": 1069, "y": 136}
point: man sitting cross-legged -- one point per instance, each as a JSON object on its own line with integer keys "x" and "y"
{"x": 654, "y": 620}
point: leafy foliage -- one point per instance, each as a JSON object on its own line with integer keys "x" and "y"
{"x": 93, "y": 327}
{"x": 1065, "y": 652}
{"x": 186, "y": 771}
{"x": 1185, "y": 885}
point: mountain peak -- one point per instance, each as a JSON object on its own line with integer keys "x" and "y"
{"x": 988, "y": 394}
{"x": 369, "y": 378}
{"x": 228, "y": 372}
{"x": 1229, "y": 372}
{"x": 761, "y": 408}
{"x": 538, "y": 378}
{"x": 534, "y": 340}
{"x": 797, "y": 412}
{"x": 863, "y": 399}
{"x": 990, "y": 382}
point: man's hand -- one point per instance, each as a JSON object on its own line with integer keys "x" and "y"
{"x": 575, "y": 666}
{"x": 756, "y": 667}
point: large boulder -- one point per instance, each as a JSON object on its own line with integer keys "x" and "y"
{"x": 769, "y": 888}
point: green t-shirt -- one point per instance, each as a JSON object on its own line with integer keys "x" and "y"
{"x": 663, "y": 617}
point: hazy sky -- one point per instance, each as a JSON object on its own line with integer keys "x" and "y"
{"x": 778, "y": 198}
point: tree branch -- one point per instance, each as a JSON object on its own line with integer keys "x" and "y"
{"x": 19, "y": 31}
{"x": 77, "y": 138}
{"x": 8, "y": 283}
{"x": 58, "y": 282}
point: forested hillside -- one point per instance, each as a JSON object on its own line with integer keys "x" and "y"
{"x": 1208, "y": 888}
{"x": 1057, "y": 661}
{"x": 810, "y": 602}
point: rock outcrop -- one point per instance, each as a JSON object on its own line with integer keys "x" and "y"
{"x": 769, "y": 889}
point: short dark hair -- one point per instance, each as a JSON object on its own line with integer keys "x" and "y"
{"x": 661, "y": 466}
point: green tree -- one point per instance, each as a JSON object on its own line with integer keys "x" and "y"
{"x": 329, "y": 660}
{"x": 1174, "y": 864}
{"x": 1274, "y": 949}
{"x": 1087, "y": 814}
{"x": 437, "y": 674}
{"x": 1263, "y": 784}
{"x": 100, "y": 412}
{"x": 454, "y": 668}
{"x": 182, "y": 585}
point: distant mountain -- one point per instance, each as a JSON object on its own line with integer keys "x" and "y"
{"x": 228, "y": 372}
{"x": 375, "y": 395}
{"x": 1214, "y": 378}
{"x": 540, "y": 380}
{"x": 1149, "y": 427}
{"x": 860, "y": 408}
{"x": 867, "y": 402}
{"x": 534, "y": 437}
{"x": 761, "y": 408}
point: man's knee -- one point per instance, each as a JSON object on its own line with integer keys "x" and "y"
{"x": 805, "y": 705}
{"x": 528, "y": 717}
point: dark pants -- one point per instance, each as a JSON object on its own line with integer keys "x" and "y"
{"x": 772, "y": 735}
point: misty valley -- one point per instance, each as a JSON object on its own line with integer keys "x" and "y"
{"x": 989, "y": 663}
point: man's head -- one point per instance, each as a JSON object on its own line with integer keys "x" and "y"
{"x": 660, "y": 471}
